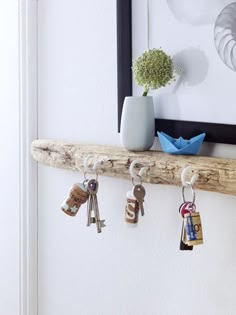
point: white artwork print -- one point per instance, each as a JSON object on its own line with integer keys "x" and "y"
{"x": 198, "y": 12}
{"x": 184, "y": 29}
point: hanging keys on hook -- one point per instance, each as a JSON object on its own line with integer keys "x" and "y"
{"x": 191, "y": 233}
{"x": 135, "y": 197}
{"x": 92, "y": 206}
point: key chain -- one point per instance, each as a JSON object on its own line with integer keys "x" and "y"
{"x": 93, "y": 216}
{"x": 135, "y": 197}
{"x": 131, "y": 209}
{"x": 76, "y": 197}
{"x": 191, "y": 227}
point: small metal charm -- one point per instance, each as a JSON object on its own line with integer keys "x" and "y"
{"x": 77, "y": 196}
{"x": 92, "y": 206}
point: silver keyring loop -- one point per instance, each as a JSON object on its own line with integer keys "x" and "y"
{"x": 192, "y": 190}
{"x": 86, "y": 179}
{"x": 138, "y": 177}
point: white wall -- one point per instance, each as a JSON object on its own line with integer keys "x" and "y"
{"x": 9, "y": 159}
{"x": 121, "y": 271}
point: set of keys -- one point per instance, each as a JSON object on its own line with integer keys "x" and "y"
{"x": 191, "y": 227}
{"x": 92, "y": 206}
{"x": 135, "y": 200}
{"x": 78, "y": 195}
{"x": 191, "y": 233}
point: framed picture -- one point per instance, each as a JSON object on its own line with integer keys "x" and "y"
{"x": 202, "y": 99}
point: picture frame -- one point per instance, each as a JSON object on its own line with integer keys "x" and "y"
{"x": 215, "y": 132}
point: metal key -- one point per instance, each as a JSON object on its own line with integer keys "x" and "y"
{"x": 139, "y": 193}
{"x": 92, "y": 188}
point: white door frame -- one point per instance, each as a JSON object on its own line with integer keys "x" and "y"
{"x": 28, "y": 100}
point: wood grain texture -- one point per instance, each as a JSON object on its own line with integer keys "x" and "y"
{"x": 215, "y": 174}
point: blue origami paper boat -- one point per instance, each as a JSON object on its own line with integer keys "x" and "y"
{"x": 180, "y": 145}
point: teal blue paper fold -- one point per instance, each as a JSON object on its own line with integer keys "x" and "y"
{"x": 180, "y": 145}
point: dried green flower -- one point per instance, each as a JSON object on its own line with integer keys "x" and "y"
{"x": 153, "y": 69}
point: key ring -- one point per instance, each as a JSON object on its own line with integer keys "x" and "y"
{"x": 137, "y": 178}
{"x": 93, "y": 169}
{"x": 89, "y": 169}
{"x": 86, "y": 179}
{"x": 189, "y": 184}
{"x": 192, "y": 190}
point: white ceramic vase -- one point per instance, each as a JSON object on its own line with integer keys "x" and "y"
{"x": 137, "y": 123}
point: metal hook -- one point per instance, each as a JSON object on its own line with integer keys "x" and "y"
{"x": 131, "y": 169}
{"x": 77, "y": 166}
{"x": 142, "y": 171}
{"x": 193, "y": 179}
{"x": 99, "y": 163}
{"x": 87, "y": 168}
{"x": 96, "y": 164}
{"x": 86, "y": 159}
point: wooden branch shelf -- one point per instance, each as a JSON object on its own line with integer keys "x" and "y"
{"x": 215, "y": 174}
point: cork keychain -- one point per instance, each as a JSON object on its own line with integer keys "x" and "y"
{"x": 77, "y": 196}
{"x": 85, "y": 192}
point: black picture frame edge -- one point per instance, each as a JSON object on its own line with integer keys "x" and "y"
{"x": 124, "y": 52}
{"x": 215, "y": 132}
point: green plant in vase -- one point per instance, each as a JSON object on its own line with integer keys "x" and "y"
{"x": 153, "y": 69}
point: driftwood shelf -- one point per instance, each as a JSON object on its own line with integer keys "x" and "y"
{"x": 215, "y": 174}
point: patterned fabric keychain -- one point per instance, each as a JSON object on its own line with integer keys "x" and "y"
{"x": 191, "y": 228}
{"x": 135, "y": 197}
